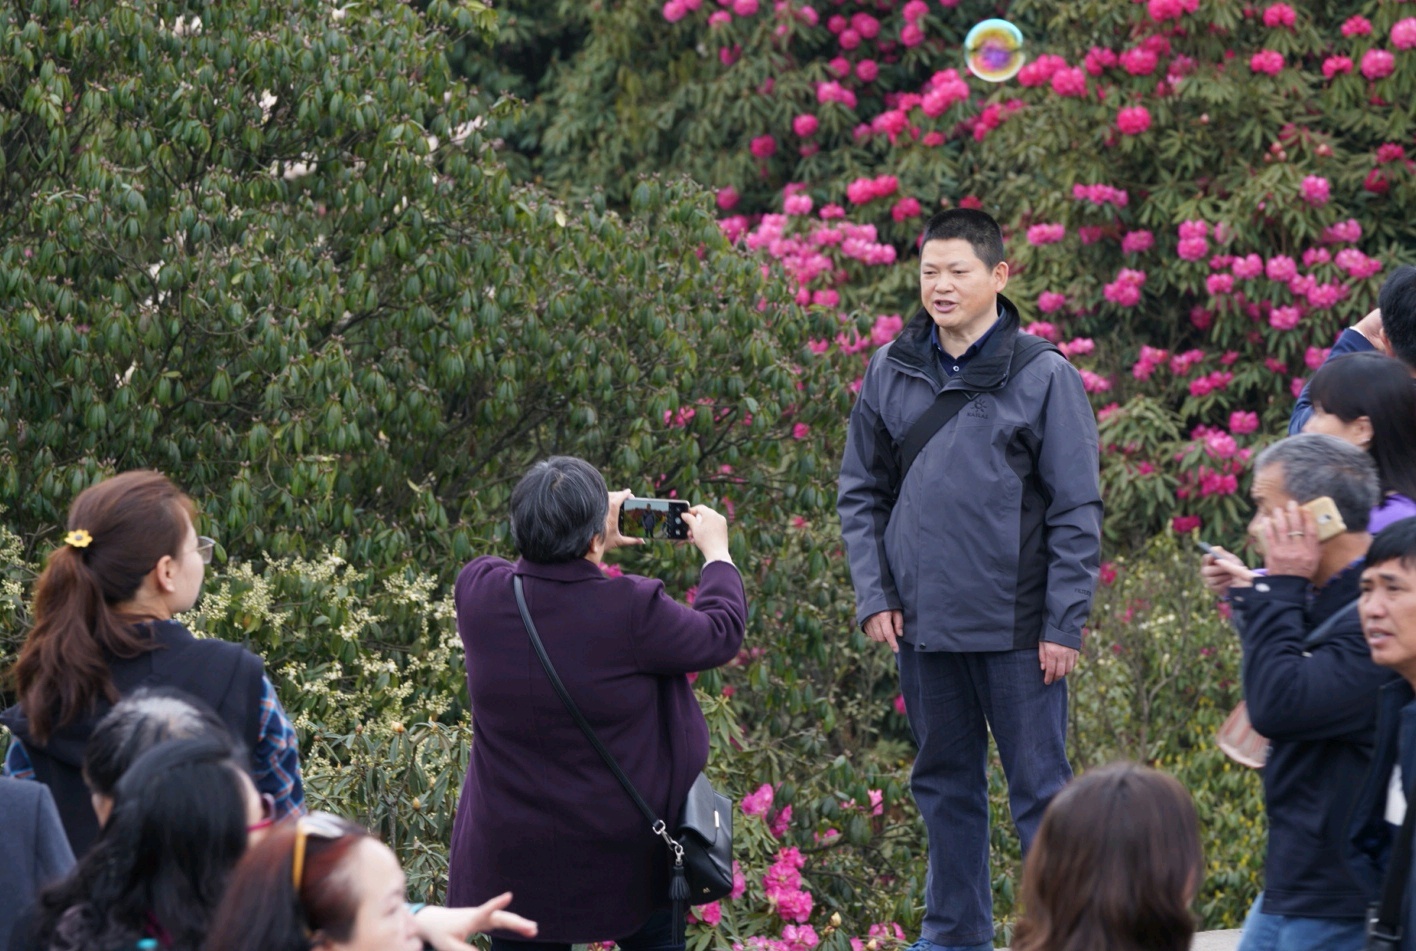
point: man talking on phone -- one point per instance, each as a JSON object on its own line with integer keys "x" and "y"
{"x": 971, "y": 515}
{"x": 1309, "y": 683}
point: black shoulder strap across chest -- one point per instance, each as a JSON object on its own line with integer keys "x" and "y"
{"x": 1026, "y": 348}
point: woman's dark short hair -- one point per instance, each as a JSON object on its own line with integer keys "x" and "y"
{"x": 1396, "y": 542}
{"x": 1380, "y": 388}
{"x": 1115, "y": 865}
{"x": 557, "y": 509}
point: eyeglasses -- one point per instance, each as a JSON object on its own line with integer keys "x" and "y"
{"x": 205, "y": 548}
{"x": 323, "y": 825}
{"x": 267, "y": 814}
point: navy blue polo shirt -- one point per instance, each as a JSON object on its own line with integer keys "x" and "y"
{"x": 952, "y": 366}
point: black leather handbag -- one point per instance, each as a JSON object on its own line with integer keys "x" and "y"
{"x": 701, "y": 848}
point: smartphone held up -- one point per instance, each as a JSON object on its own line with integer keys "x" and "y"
{"x": 653, "y": 519}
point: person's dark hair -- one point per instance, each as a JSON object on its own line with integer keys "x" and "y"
{"x": 1380, "y": 388}
{"x": 1115, "y": 865}
{"x": 262, "y": 912}
{"x": 139, "y": 722}
{"x": 1315, "y": 465}
{"x": 967, "y": 224}
{"x": 1396, "y": 542}
{"x": 131, "y": 521}
{"x": 557, "y": 509}
{"x": 1397, "y": 300}
{"x": 177, "y": 830}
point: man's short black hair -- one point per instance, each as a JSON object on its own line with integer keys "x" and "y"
{"x": 1396, "y": 542}
{"x": 557, "y": 509}
{"x": 976, "y": 227}
{"x": 1397, "y": 300}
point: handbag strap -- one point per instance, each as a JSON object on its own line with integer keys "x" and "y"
{"x": 1324, "y": 630}
{"x": 1386, "y": 927}
{"x": 580, "y": 721}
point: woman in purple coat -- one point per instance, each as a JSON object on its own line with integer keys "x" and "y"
{"x": 541, "y": 814}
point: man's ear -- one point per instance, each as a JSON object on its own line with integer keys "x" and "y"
{"x": 1000, "y": 276}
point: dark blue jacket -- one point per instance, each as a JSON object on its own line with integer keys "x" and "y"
{"x": 993, "y": 540}
{"x": 1318, "y": 707}
{"x": 1371, "y": 834}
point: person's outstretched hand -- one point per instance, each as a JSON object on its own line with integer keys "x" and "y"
{"x": 709, "y": 532}
{"x": 613, "y": 538}
{"x": 1223, "y": 570}
{"x": 447, "y": 929}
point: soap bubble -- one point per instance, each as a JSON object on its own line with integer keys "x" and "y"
{"x": 993, "y": 50}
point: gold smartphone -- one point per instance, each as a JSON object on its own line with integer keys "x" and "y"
{"x": 1329, "y": 519}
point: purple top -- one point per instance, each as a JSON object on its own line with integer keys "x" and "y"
{"x": 541, "y": 815}
{"x": 1393, "y": 509}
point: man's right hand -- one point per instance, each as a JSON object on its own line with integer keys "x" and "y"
{"x": 887, "y": 627}
{"x": 1223, "y": 570}
{"x": 1371, "y": 328}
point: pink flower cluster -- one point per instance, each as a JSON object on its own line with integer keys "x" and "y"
{"x": 1046, "y": 234}
{"x": 831, "y": 91}
{"x": 890, "y": 931}
{"x": 943, "y": 90}
{"x": 1280, "y": 15}
{"x": 1162, "y": 10}
{"x": 1139, "y": 61}
{"x": 1093, "y": 382}
{"x": 782, "y": 884}
{"x": 1133, "y": 120}
{"x": 1403, "y": 33}
{"x": 1137, "y": 242}
{"x": 1194, "y": 241}
{"x": 1101, "y": 195}
{"x": 1150, "y": 358}
{"x": 1039, "y": 72}
{"x": 1213, "y": 383}
{"x": 1378, "y": 64}
{"x": 1125, "y": 291}
{"x": 1050, "y": 302}
{"x": 864, "y": 190}
{"x": 675, "y": 10}
{"x": 1316, "y": 190}
{"x": 1267, "y": 61}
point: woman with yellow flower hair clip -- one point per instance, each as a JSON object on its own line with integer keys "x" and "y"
{"x": 103, "y": 609}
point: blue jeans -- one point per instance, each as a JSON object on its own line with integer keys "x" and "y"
{"x": 655, "y": 935}
{"x": 1263, "y": 932}
{"x": 952, "y": 701}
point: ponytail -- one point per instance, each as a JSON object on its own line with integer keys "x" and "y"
{"x": 125, "y": 525}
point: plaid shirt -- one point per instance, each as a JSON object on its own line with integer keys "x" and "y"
{"x": 277, "y": 757}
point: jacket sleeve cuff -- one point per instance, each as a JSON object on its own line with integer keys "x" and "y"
{"x": 1054, "y": 635}
{"x": 873, "y": 607}
{"x": 1289, "y": 588}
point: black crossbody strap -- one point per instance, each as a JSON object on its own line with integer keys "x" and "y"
{"x": 1026, "y": 348}
{"x": 1324, "y": 630}
{"x": 1387, "y": 925}
{"x": 575, "y": 713}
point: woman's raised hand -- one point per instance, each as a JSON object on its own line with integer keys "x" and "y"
{"x": 709, "y": 531}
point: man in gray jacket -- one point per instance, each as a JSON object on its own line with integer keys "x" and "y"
{"x": 973, "y": 540}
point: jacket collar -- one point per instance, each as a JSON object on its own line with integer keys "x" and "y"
{"x": 913, "y": 349}
{"x": 580, "y": 569}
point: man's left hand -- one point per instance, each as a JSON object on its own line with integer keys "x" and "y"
{"x": 1290, "y": 539}
{"x": 1057, "y": 661}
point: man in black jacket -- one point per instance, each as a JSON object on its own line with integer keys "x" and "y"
{"x": 1310, "y": 686}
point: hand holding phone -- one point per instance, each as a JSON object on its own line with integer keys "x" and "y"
{"x": 653, "y": 519}
{"x": 1222, "y": 570}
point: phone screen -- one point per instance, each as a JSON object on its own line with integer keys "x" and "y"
{"x": 653, "y": 519}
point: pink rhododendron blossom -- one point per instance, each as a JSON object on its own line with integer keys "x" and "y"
{"x": 1316, "y": 190}
{"x": 783, "y": 819}
{"x": 1295, "y": 386}
{"x": 675, "y": 10}
{"x": 1248, "y": 267}
{"x": 1126, "y": 289}
{"x": 867, "y": 70}
{"x": 1284, "y": 318}
{"x": 1280, "y": 267}
{"x": 1357, "y": 264}
{"x": 612, "y": 571}
{"x": 727, "y": 197}
{"x": 1192, "y": 249}
{"x": 799, "y": 937}
{"x": 757, "y": 803}
{"x": 1162, "y": 10}
{"x": 679, "y": 418}
{"x": 797, "y": 205}
{"x": 1315, "y": 256}
{"x": 826, "y": 297}
{"x": 729, "y": 55}
{"x": 1403, "y": 33}
{"x": 1279, "y": 14}
{"x": 1324, "y": 296}
{"x": 1098, "y": 195}
{"x": 866, "y": 25}
{"x": 1377, "y": 64}
{"x": 1181, "y": 363}
{"x": 1094, "y": 383}
{"x": 1098, "y": 60}
{"x": 1150, "y": 358}
{"x": 1046, "y": 234}
{"x": 1139, "y": 61}
{"x": 719, "y": 18}
{"x": 1357, "y": 26}
{"x": 1218, "y": 284}
{"x": 886, "y": 328}
{"x": 1315, "y": 356}
{"x": 831, "y": 91}
{"x": 1137, "y": 242}
{"x": 1044, "y": 330}
{"x": 1080, "y": 347}
{"x": 1184, "y": 524}
{"x": 906, "y": 208}
{"x": 805, "y": 125}
{"x": 1267, "y": 61}
{"x": 1039, "y": 72}
{"x": 1349, "y": 231}
{"x": 1050, "y": 302}
{"x": 1194, "y": 228}
{"x": 911, "y": 35}
{"x": 1242, "y": 422}
{"x": 1334, "y": 65}
{"x": 1133, "y": 120}
{"x": 1390, "y": 151}
{"x": 1071, "y": 81}
{"x": 829, "y": 212}
{"x": 900, "y": 704}
{"x": 1220, "y": 444}
{"x": 915, "y": 11}
{"x": 763, "y": 146}
{"x": 710, "y": 914}
{"x": 739, "y": 882}
{"x": 745, "y": 8}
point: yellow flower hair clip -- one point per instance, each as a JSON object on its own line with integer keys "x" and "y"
{"x": 78, "y": 538}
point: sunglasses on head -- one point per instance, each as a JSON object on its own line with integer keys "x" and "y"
{"x": 321, "y": 825}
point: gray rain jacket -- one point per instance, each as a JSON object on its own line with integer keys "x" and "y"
{"x": 993, "y": 541}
